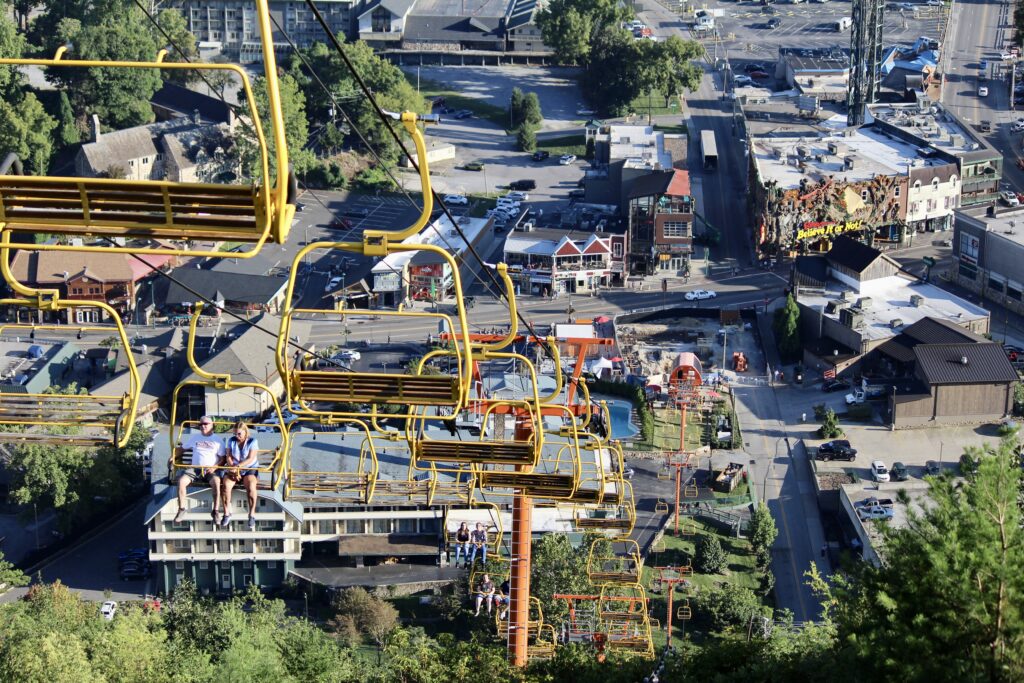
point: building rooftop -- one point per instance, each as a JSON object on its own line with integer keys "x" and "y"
{"x": 640, "y": 146}
{"x": 545, "y": 242}
{"x": 440, "y": 233}
{"x": 969, "y": 363}
{"x": 1005, "y": 225}
{"x": 890, "y": 301}
{"x": 852, "y": 254}
{"x": 461, "y": 8}
{"x": 825, "y": 155}
{"x": 817, "y": 60}
{"x": 927, "y": 331}
{"x": 932, "y": 124}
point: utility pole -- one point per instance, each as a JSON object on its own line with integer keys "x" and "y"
{"x": 1013, "y": 81}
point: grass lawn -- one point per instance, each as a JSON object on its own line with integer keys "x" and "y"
{"x": 453, "y": 100}
{"x": 657, "y": 104}
{"x": 670, "y": 129}
{"x": 666, "y": 430}
{"x": 567, "y": 144}
{"x": 679, "y": 551}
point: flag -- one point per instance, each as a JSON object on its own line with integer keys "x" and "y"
{"x": 830, "y": 373}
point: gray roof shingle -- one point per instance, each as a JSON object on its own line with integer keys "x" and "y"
{"x": 944, "y": 363}
{"x": 236, "y": 287}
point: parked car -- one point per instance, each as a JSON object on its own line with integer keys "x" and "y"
{"x": 830, "y": 385}
{"x": 474, "y": 166}
{"x": 348, "y": 355}
{"x": 333, "y": 283}
{"x": 462, "y": 114}
{"x": 540, "y": 155}
{"x": 982, "y": 91}
{"x": 839, "y": 449}
{"x": 932, "y": 468}
{"x": 742, "y": 81}
{"x": 577, "y": 194}
{"x": 523, "y": 185}
{"x": 872, "y": 501}
{"x": 760, "y": 75}
{"x": 899, "y": 472}
{"x": 700, "y": 294}
{"x": 933, "y": 3}
{"x": 456, "y": 199}
{"x": 774, "y": 23}
{"x": 856, "y": 397}
{"x": 133, "y": 554}
{"x": 1017, "y": 127}
{"x": 135, "y": 573}
{"x": 879, "y": 472}
{"x": 341, "y": 223}
{"x": 583, "y": 111}
{"x": 983, "y": 64}
{"x": 566, "y": 159}
{"x": 1009, "y": 198}
{"x": 876, "y": 512}
{"x": 108, "y": 610}
{"x": 755, "y": 66}
{"x": 518, "y": 196}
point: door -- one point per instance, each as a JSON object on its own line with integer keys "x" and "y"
{"x": 225, "y": 582}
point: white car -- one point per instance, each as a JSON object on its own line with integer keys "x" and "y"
{"x": 879, "y": 472}
{"x": 934, "y": 3}
{"x": 585, "y": 112}
{"x": 1009, "y": 198}
{"x": 699, "y": 294}
{"x": 333, "y": 283}
{"x": 1017, "y": 127}
{"x": 743, "y": 81}
{"x": 348, "y": 355}
{"x": 108, "y": 609}
{"x": 1007, "y": 57}
{"x": 982, "y": 91}
{"x": 518, "y": 196}
{"x": 567, "y": 159}
{"x": 456, "y": 199}
{"x": 874, "y": 512}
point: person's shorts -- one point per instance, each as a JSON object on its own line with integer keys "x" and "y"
{"x": 200, "y": 473}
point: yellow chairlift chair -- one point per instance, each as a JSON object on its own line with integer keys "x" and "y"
{"x": 614, "y": 562}
{"x": 163, "y": 210}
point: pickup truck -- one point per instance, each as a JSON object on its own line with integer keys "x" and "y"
{"x": 873, "y": 502}
{"x": 874, "y": 512}
{"x": 856, "y": 396}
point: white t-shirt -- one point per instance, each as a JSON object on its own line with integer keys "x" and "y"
{"x": 206, "y": 450}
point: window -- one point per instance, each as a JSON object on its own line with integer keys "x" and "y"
{"x": 917, "y": 184}
{"x": 953, "y": 180}
{"x": 676, "y": 229}
{"x": 206, "y": 565}
{"x": 326, "y": 526}
{"x": 994, "y": 284}
{"x": 864, "y": 195}
{"x": 177, "y": 526}
{"x": 915, "y": 207}
{"x": 380, "y": 526}
{"x": 247, "y": 579}
{"x": 1013, "y": 291}
{"x": 182, "y": 544}
{"x": 406, "y": 526}
{"x": 935, "y": 183}
{"x": 179, "y": 564}
{"x": 430, "y": 526}
{"x": 897, "y": 191}
{"x": 946, "y": 203}
{"x": 617, "y": 249}
{"x": 246, "y": 564}
{"x": 353, "y": 526}
{"x": 145, "y": 160}
{"x": 968, "y": 271}
{"x": 272, "y": 564}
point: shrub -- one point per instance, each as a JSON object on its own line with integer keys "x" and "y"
{"x": 830, "y": 425}
{"x": 728, "y": 605}
{"x": 710, "y": 558}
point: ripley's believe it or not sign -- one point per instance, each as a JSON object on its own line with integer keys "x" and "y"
{"x": 820, "y": 229}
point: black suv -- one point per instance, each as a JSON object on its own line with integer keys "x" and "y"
{"x": 836, "y": 450}
{"x": 523, "y": 185}
{"x": 541, "y": 155}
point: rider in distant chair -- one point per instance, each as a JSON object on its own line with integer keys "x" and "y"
{"x": 241, "y": 452}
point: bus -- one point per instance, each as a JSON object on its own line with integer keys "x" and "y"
{"x": 709, "y": 149}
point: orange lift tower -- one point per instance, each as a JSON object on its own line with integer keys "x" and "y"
{"x": 669, "y": 578}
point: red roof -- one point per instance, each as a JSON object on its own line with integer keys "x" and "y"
{"x": 679, "y": 186}
{"x": 567, "y": 248}
{"x": 143, "y": 264}
{"x": 596, "y": 246}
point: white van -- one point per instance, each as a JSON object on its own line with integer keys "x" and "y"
{"x": 843, "y": 24}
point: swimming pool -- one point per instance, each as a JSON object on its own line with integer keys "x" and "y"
{"x": 622, "y": 423}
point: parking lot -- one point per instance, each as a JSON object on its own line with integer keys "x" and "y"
{"x": 744, "y": 28}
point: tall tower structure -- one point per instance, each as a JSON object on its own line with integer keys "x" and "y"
{"x": 865, "y": 56}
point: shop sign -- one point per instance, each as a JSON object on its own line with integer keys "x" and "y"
{"x": 822, "y": 229}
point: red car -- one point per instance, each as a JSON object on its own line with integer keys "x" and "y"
{"x": 757, "y": 74}
{"x": 341, "y": 223}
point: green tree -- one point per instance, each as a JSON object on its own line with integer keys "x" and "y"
{"x": 373, "y": 617}
{"x": 728, "y": 605}
{"x": 22, "y": 8}
{"x": 68, "y": 132}
{"x": 181, "y": 45}
{"x": 616, "y": 74}
{"x": 569, "y": 27}
{"x": 12, "y": 44}
{"x": 558, "y": 567}
{"x": 709, "y": 557}
{"x": 672, "y": 68}
{"x": 27, "y": 130}
{"x": 829, "y": 428}
{"x": 531, "y": 113}
{"x": 526, "y": 137}
{"x": 11, "y": 575}
{"x": 515, "y": 108}
{"x": 120, "y": 97}
{"x": 787, "y": 329}
{"x": 946, "y": 600}
{"x": 762, "y": 532}
{"x": 296, "y": 128}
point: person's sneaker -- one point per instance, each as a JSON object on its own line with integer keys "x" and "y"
{"x": 180, "y": 517}
{"x": 252, "y": 524}
{"x": 225, "y": 520}
{"x": 216, "y": 517}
